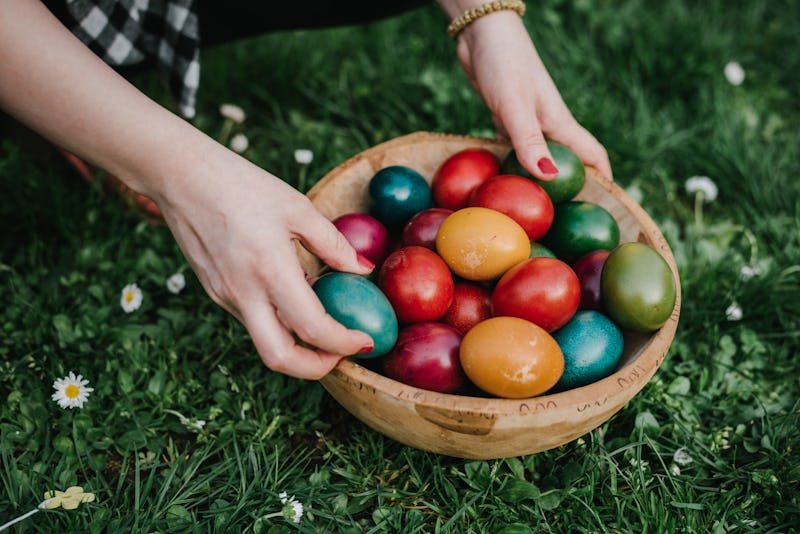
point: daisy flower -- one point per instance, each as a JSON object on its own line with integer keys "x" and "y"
{"x": 71, "y": 391}
{"x": 131, "y": 298}
{"x": 292, "y": 508}
{"x": 176, "y": 283}
{"x": 704, "y": 185}
{"x": 682, "y": 457}
{"x": 303, "y": 156}
{"x": 239, "y": 143}
{"x": 733, "y": 312}
{"x": 232, "y": 112}
{"x": 734, "y": 73}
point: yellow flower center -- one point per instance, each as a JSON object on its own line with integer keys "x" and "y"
{"x": 129, "y": 296}
{"x": 71, "y": 391}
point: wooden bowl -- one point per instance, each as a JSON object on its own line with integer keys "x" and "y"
{"x": 477, "y": 427}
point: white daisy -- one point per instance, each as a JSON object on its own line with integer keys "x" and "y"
{"x": 303, "y": 156}
{"x": 682, "y": 457}
{"x": 176, "y": 283}
{"x": 71, "y": 391}
{"x": 131, "y": 298}
{"x": 232, "y": 112}
{"x": 733, "y": 312}
{"x": 734, "y": 73}
{"x": 292, "y": 508}
{"x": 239, "y": 143}
{"x": 704, "y": 185}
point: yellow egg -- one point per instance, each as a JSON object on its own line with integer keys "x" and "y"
{"x": 481, "y": 243}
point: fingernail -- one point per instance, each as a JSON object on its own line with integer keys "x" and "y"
{"x": 367, "y": 348}
{"x": 547, "y": 166}
{"x": 341, "y": 360}
{"x": 365, "y": 263}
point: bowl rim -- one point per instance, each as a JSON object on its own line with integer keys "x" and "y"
{"x": 626, "y": 381}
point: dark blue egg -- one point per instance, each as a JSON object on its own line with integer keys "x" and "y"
{"x": 592, "y": 345}
{"x": 398, "y": 193}
{"x": 358, "y": 303}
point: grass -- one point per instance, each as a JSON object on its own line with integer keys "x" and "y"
{"x": 708, "y": 446}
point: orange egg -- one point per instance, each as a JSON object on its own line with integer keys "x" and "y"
{"x": 481, "y": 243}
{"x": 511, "y": 358}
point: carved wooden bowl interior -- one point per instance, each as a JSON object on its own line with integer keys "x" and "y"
{"x": 479, "y": 427}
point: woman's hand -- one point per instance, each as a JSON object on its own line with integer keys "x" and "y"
{"x": 503, "y": 66}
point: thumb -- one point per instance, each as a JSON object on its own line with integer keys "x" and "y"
{"x": 321, "y": 237}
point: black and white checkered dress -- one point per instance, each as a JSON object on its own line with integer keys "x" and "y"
{"x": 128, "y": 32}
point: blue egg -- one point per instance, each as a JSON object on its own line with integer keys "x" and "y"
{"x": 358, "y": 303}
{"x": 592, "y": 345}
{"x": 397, "y": 194}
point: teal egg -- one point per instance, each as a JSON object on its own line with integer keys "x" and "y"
{"x": 592, "y": 346}
{"x": 398, "y": 193}
{"x": 359, "y": 304}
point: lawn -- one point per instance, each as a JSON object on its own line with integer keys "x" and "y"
{"x": 185, "y": 429}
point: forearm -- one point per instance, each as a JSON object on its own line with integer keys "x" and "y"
{"x": 55, "y": 85}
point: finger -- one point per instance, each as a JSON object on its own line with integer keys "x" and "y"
{"x": 321, "y": 237}
{"x": 278, "y": 349}
{"x": 530, "y": 144}
{"x": 586, "y": 147}
{"x": 301, "y": 311}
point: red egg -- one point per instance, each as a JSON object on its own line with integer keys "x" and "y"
{"x": 421, "y": 229}
{"x": 426, "y": 356}
{"x": 418, "y": 283}
{"x": 366, "y": 234}
{"x": 471, "y": 305}
{"x": 520, "y": 198}
{"x": 588, "y": 268}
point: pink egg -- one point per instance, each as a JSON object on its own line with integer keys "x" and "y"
{"x": 366, "y": 234}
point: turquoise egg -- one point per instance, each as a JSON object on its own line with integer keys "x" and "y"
{"x": 359, "y": 304}
{"x": 398, "y": 193}
{"x": 592, "y": 346}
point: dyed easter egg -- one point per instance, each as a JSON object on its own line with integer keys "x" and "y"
{"x": 481, "y": 243}
{"x": 358, "y": 303}
{"x": 366, "y": 234}
{"x": 592, "y": 346}
{"x": 397, "y": 193}
{"x": 580, "y": 227}
{"x": 571, "y": 172}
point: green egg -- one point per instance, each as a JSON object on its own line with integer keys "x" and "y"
{"x": 637, "y": 287}
{"x": 571, "y": 173}
{"x": 580, "y": 227}
{"x": 359, "y": 304}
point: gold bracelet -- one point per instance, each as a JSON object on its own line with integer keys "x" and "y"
{"x": 474, "y": 14}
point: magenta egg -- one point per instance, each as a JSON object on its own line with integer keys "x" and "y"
{"x": 589, "y": 267}
{"x": 421, "y": 229}
{"x": 366, "y": 234}
{"x": 426, "y": 356}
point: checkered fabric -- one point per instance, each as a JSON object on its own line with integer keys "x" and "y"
{"x": 127, "y": 32}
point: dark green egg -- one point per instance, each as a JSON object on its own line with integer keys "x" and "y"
{"x": 637, "y": 287}
{"x": 358, "y": 303}
{"x": 580, "y": 227}
{"x": 397, "y": 193}
{"x": 571, "y": 172}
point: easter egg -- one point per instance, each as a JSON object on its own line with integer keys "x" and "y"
{"x": 426, "y": 356}
{"x": 571, "y": 172}
{"x": 519, "y": 198}
{"x": 459, "y": 174}
{"x": 638, "y": 287}
{"x": 588, "y": 268}
{"x": 481, "y": 243}
{"x": 592, "y": 346}
{"x": 418, "y": 284}
{"x": 537, "y": 249}
{"x": 510, "y": 357}
{"x": 366, "y": 234}
{"x": 579, "y": 227}
{"x": 471, "y": 305}
{"x": 545, "y": 291}
{"x": 359, "y": 304}
{"x": 398, "y": 192}
{"x": 423, "y": 226}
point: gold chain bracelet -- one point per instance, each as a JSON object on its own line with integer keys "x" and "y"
{"x": 472, "y": 15}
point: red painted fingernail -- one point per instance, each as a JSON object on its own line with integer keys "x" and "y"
{"x": 367, "y": 348}
{"x": 547, "y": 166}
{"x": 365, "y": 263}
{"x": 341, "y": 360}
